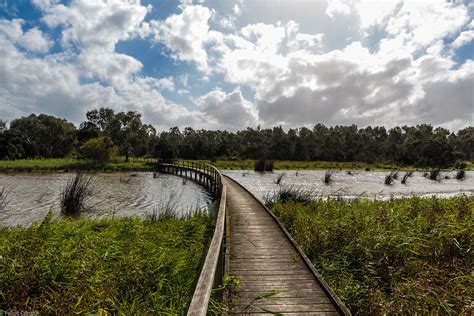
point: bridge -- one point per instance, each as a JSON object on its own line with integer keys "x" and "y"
{"x": 263, "y": 267}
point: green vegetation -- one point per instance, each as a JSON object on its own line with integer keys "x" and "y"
{"x": 123, "y": 266}
{"x": 262, "y": 165}
{"x": 71, "y": 164}
{"x": 311, "y": 165}
{"x": 100, "y": 149}
{"x": 403, "y": 256}
{"x": 75, "y": 196}
{"x": 119, "y": 164}
{"x": 45, "y": 136}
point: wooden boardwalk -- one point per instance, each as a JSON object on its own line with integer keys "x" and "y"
{"x": 251, "y": 245}
{"x": 265, "y": 260}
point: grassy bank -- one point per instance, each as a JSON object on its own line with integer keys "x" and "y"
{"x": 124, "y": 266}
{"x": 404, "y": 256}
{"x": 314, "y": 165}
{"x": 119, "y": 164}
{"x": 70, "y": 164}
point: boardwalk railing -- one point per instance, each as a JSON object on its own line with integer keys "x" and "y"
{"x": 213, "y": 268}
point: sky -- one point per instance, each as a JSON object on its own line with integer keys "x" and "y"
{"x": 218, "y": 64}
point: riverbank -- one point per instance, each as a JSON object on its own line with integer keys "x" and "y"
{"x": 121, "y": 266}
{"x": 138, "y": 164}
{"x": 71, "y": 164}
{"x": 408, "y": 255}
{"x": 318, "y": 165}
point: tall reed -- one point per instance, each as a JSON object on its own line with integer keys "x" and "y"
{"x": 75, "y": 196}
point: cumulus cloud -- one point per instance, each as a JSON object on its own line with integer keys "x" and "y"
{"x": 363, "y": 62}
{"x": 67, "y": 84}
{"x": 230, "y": 111}
{"x": 33, "y": 40}
{"x": 464, "y": 38}
{"x": 96, "y": 23}
{"x": 185, "y": 34}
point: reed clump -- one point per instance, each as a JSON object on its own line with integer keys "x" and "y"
{"x": 327, "y": 177}
{"x": 391, "y": 177}
{"x": 289, "y": 193}
{"x": 75, "y": 196}
{"x": 460, "y": 174}
{"x": 263, "y": 165}
{"x": 435, "y": 174}
{"x": 401, "y": 256}
{"x": 279, "y": 178}
{"x": 407, "y": 175}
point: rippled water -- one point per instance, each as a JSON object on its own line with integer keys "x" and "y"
{"x": 29, "y": 196}
{"x": 361, "y": 183}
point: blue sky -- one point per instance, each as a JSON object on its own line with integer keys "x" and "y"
{"x": 232, "y": 64}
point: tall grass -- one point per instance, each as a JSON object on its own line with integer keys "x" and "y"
{"x": 435, "y": 174}
{"x": 279, "y": 178}
{"x": 75, "y": 196}
{"x": 460, "y": 174}
{"x": 71, "y": 164}
{"x": 121, "y": 266}
{"x": 327, "y": 177}
{"x": 404, "y": 256}
{"x": 288, "y": 193}
{"x": 3, "y": 197}
{"x": 407, "y": 175}
{"x": 389, "y": 179}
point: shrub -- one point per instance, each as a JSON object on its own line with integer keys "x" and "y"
{"x": 100, "y": 149}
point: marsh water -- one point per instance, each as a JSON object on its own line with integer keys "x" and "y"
{"x": 29, "y": 196}
{"x": 369, "y": 184}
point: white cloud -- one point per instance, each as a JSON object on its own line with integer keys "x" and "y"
{"x": 464, "y": 38}
{"x": 338, "y": 7}
{"x": 230, "y": 111}
{"x": 33, "y": 40}
{"x": 96, "y": 23}
{"x": 185, "y": 34}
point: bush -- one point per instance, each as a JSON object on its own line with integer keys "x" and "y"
{"x": 100, "y": 149}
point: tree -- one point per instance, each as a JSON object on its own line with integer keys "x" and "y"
{"x": 47, "y": 135}
{"x": 99, "y": 149}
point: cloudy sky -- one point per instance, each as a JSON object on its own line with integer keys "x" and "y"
{"x": 230, "y": 64}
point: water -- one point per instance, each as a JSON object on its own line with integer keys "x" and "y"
{"x": 29, "y": 196}
{"x": 368, "y": 184}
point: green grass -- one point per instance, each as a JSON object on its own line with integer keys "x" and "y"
{"x": 404, "y": 256}
{"x": 119, "y": 164}
{"x": 69, "y": 164}
{"x": 123, "y": 266}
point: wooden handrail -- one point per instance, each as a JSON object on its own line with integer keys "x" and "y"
{"x": 213, "y": 268}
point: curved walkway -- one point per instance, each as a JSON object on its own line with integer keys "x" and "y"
{"x": 266, "y": 261}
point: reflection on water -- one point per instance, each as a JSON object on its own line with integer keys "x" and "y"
{"x": 359, "y": 183}
{"x": 29, "y": 196}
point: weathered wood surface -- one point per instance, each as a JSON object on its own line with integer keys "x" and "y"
{"x": 264, "y": 259}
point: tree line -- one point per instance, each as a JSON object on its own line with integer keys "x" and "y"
{"x": 105, "y": 133}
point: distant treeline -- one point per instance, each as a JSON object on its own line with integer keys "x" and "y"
{"x": 48, "y": 136}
